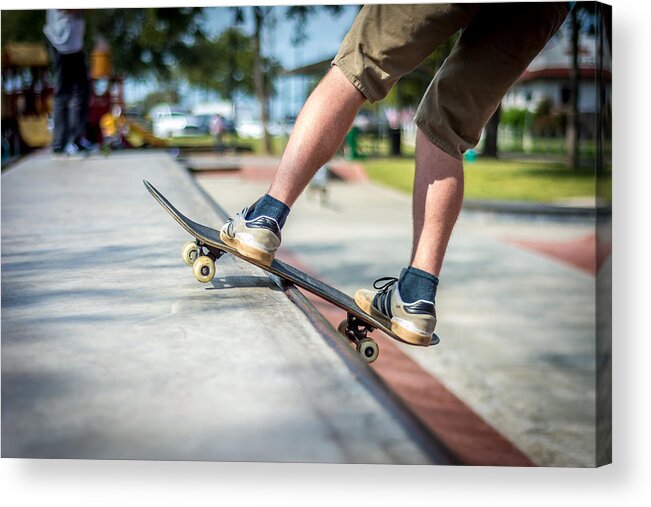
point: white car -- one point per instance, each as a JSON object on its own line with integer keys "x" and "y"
{"x": 169, "y": 124}
{"x": 252, "y": 129}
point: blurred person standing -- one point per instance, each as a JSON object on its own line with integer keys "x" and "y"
{"x": 319, "y": 184}
{"x": 65, "y": 30}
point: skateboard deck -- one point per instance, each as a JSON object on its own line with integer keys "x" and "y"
{"x": 207, "y": 247}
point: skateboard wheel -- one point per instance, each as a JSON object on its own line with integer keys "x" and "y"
{"x": 368, "y": 349}
{"x": 204, "y": 269}
{"x": 190, "y": 252}
{"x": 343, "y": 327}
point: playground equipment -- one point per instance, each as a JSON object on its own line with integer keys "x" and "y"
{"x": 26, "y": 98}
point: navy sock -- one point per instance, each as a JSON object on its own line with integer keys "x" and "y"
{"x": 271, "y": 207}
{"x": 415, "y": 284}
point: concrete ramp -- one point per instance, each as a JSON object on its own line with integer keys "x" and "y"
{"x": 112, "y": 350}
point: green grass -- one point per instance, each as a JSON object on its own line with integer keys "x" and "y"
{"x": 278, "y": 144}
{"x": 206, "y": 141}
{"x": 507, "y": 180}
{"x": 552, "y": 146}
{"x": 203, "y": 141}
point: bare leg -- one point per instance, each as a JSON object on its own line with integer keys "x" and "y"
{"x": 320, "y": 128}
{"x": 437, "y": 198}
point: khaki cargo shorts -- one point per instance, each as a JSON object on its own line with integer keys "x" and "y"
{"x": 496, "y": 45}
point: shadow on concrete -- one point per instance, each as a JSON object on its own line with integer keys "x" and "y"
{"x": 245, "y": 281}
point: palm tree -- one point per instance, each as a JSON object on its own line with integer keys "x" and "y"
{"x": 261, "y": 91}
{"x": 573, "y": 124}
{"x": 263, "y": 69}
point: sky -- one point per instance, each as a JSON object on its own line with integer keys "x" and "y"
{"x": 325, "y": 33}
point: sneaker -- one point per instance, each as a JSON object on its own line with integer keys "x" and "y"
{"x": 414, "y": 322}
{"x": 85, "y": 145}
{"x": 258, "y": 238}
{"x": 73, "y": 152}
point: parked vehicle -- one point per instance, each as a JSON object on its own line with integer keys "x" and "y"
{"x": 252, "y": 129}
{"x": 193, "y": 127}
{"x": 169, "y": 124}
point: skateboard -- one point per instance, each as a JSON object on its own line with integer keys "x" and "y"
{"x": 206, "y": 248}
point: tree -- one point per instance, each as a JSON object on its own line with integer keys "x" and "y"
{"x": 227, "y": 65}
{"x": 259, "y": 15}
{"x": 301, "y": 13}
{"x": 490, "y": 139}
{"x": 146, "y": 42}
{"x": 573, "y": 125}
{"x": 224, "y": 65}
{"x": 143, "y": 42}
{"x": 23, "y": 26}
{"x": 263, "y": 69}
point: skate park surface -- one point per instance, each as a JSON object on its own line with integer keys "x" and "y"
{"x": 111, "y": 349}
{"x": 516, "y": 306}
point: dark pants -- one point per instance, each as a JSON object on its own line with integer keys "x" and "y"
{"x": 70, "y": 98}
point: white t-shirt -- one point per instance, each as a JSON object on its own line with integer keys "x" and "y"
{"x": 65, "y": 30}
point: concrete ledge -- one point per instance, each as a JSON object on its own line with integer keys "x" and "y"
{"x": 111, "y": 349}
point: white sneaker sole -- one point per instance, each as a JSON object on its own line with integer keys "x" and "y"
{"x": 249, "y": 251}
{"x": 405, "y": 334}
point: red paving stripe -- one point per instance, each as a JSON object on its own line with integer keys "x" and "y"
{"x": 471, "y": 438}
{"x": 584, "y": 253}
{"x": 348, "y": 171}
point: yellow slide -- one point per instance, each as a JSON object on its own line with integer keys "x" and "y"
{"x": 133, "y": 132}
{"x": 33, "y": 131}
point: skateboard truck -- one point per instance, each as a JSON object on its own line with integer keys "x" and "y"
{"x": 356, "y": 330}
{"x": 201, "y": 259}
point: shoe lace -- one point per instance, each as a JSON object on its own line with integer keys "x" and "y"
{"x": 241, "y": 213}
{"x": 385, "y": 283}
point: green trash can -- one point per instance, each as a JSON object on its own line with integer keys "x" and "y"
{"x": 352, "y": 140}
